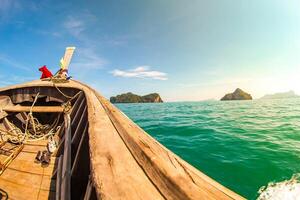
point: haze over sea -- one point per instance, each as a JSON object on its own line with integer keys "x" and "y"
{"x": 242, "y": 144}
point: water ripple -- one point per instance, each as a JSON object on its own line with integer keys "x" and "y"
{"x": 242, "y": 144}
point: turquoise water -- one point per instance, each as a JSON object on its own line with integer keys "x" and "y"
{"x": 242, "y": 144}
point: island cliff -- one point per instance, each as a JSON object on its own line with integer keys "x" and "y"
{"x": 133, "y": 98}
{"x": 238, "y": 94}
{"x": 281, "y": 95}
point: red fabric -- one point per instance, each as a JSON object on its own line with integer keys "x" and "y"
{"x": 45, "y": 72}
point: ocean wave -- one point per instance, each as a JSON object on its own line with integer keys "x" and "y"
{"x": 241, "y": 144}
{"x": 284, "y": 190}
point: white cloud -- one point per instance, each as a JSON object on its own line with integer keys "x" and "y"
{"x": 77, "y": 24}
{"x": 140, "y": 72}
{"x": 87, "y": 58}
{"x": 74, "y": 26}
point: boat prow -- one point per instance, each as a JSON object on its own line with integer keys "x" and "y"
{"x": 100, "y": 152}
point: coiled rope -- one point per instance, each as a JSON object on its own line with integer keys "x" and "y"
{"x": 34, "y": 130}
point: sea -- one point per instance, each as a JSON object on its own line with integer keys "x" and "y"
{"x": 248, "y": 146}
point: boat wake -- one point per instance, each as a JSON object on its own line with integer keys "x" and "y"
{"x": 285, "y": 190}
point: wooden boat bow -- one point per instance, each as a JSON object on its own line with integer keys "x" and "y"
{"x": 110, "y": 156}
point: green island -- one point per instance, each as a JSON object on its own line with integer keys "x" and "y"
{"x": 238, "y": 94}
{"x": 134, "y": 98}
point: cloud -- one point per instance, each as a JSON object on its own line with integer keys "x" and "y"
{"x": 79, "y": 26}
{"x": 140, "y": 72}
{"x": 12, "y": 79}
{"x": 87, "y": 58}
{"x": 44, "y": 33}
{"x": 10, "y": 8}
{"x": 74, "y": 26}
{"x": 11, "y": 63}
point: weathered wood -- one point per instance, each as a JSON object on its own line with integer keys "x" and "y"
{"x": 121, "y": 176}
{"x": 76, "y": 105}
{"x": 172, "y": 176}
{"x": 75, "y": 163}
{"x": 88, "y": 191}
{"x": 66, "y": 169}
{"x": 67, "y": 59}
{"x": 13, "y": 154}
{"x": 24, "y": 179}
{"x": 78, "y": 112}
{"x": 22, "y": 116}
{"x": 76, "y": 135}
{"x": 127, "y": 163}
{"x": 54, "y": 174}
{"x": 41, "y": 109}
{"x": 61, "y": 130}
{"x": 58, "y": 178}
{"x": 60, "y": 148}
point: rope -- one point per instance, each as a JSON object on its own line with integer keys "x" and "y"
{"x": 67, "y": 106}
{"x": 14, "y": 135}
{"x": 34, "y": 130}
{"x": 30, "y": 116}
{"x": 67, "y": 96}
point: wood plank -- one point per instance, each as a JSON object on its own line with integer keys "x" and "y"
{"x": 78, "y": 112}
{"x": 79, "y": 126}
{"x": 174, "y": 177}
{"x": 22, "y": 178}
{"x": 75, "y": 163}
{"x": 10, "y": 151}
{"x": 46, "y": 195}
{"x": 116, "y": 173}
{"x": 48, "y": 184}
{"x": 59, "y": 150}
{"x": 88, "y": 190}
{"x": 20, "y": 192}
{"x": 30, "y": 157}
{"x": 25, "y": 179}
{"x": 58, "y": 179}
{"x": 76, "y": 105}
{"x": 66, "y": 169}
{"x": 151, "y": 158}
{"x": 30, "y": 167}
{"x": 42, "y": 109}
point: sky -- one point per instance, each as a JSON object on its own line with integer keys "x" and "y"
{"x": 184, "y": 50}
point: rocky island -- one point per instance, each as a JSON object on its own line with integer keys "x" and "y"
{"x": 281, "y": 95}
{"x": 133, "y": 98}
{"x": 238, "y": 94}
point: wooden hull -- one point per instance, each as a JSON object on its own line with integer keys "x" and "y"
{"x": 102, "y": 154}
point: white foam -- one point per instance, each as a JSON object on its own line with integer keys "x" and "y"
{"x": 285, "y": 190}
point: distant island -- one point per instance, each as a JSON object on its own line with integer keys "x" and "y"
{"x": 281, "y": 95}
{"x": 133, "y": 98}
{"x": 238, "y": 94}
